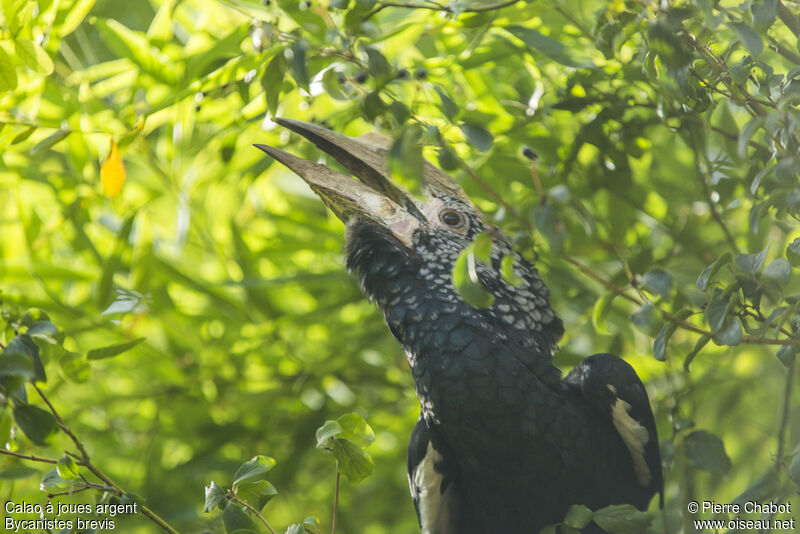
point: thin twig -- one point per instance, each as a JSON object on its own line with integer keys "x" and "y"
{"x": 495, "y": 195}
{"x": 439, "y": 7}
{"x": 711, "y": 205}
{"x": 86, "y": 461}
{"x": 335, "y": 504}
{"x": 789, "y": 19}
{"x": 782, "y": 50}
{"x": 785, "y": 409}
{"x": 30, "y": 457}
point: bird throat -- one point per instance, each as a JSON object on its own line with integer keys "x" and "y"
{"x": 455, "y": 350}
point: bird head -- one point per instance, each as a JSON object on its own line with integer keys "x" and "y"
{"x": 403, "y": 249}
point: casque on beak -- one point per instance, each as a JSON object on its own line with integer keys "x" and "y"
{"x": 375, "y": 196}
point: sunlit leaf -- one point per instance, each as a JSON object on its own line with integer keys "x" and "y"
{"x": 8, "y": 73}
{"x": 112, "y": 172}
{"x": 110, "y": 351}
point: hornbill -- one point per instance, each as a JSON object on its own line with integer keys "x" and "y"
{"x": 503, "y": 442}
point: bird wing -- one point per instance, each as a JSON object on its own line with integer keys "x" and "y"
{"x": 612, "y": 386}
{"x": 432, "y": 481}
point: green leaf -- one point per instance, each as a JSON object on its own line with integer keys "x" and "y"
{"x": 67, "y": 468}
{"x": 622, "y": 519}
{"x": 38, "y": 425}
{"x": 698, "y": 346}
{"x": 793, "y": 252}
{"x": 716, "y": 310}
{"x": 373, "y": 106}
{"x": 405, "y": 156}
{"x": 272, "y": 80}
{"x": 751, "y": 263}
{"x": 662, "y": 339}
{"x": 646, "y": 318}
{"x": 549, "y": 47}
{"x": 113, "y": 350}
{"x": 352, "y": 461}
{"x": 334, "y": 89}
{"x": 74, "y": 366}
{"x": 477, "y": 135}
{"x": 256, "y": 494}
{"x": 327, "y": 431}
{"x": 53, "y": 483}
{"x": 468, "y": 284}
{"x": 8, "y": 73}
{"x": 731, "y": 332}
{"x": 751, "y": 39}
{"x": 707, "y": 452}
{"x": 17, "y": 472}
{"x": 355, "y": 428}
{"x": 507, "y": 271}
{"x": 658, "y": 281}
{"x": 17, "y": 360}
{"x": 253, "y": 470}
{"x": 447, "y": 158}
{"x": 601, "y": 308}
{"x": 549, "y": 529}
{"x": 311, "y": 525}
{"x": 22, "y": 136}
{"x": 215, "y": 495}
{"x": 578, "y": 516}
{"x": 134, "y": 45}
{"x": 764, "y": 13}
{"x": 449, "y": 108}
{"x": 299, "y": 64}
{"x": 235, "y": 517}
{"x": 786, "y": 355}
{"x": 49, "y": 141}
{"x": 778, "y": 270}
{"x": 33, "y": 56}
{"x": 378, "y": 67}
{"x": 75, "y": 16}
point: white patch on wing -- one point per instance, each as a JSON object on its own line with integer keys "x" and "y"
{"x": 635, "y": 437}
{"x": 426, "y": 489}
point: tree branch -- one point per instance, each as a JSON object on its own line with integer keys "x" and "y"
{"x": 789, "y": 19}
{"x": 29, "y": 457}
{"x": 433, "y": 6}
{"x": 86, "y": 461}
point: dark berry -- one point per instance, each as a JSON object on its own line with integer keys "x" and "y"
{"x": 340, "y": 77}
{"x": 402, "y": 74}
{"x": 421, "y": 74}
{"x": 360, "y": 77}
{"x": 530, "y": 153}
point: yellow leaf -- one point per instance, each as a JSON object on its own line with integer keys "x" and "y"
{"x": 112, "y": 173}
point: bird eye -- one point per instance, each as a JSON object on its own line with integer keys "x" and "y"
{"x": 452, "y": 218}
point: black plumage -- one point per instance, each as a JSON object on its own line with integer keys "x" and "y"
{"x": 503, "y": 444}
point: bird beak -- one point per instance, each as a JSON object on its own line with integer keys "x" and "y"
{"x": 375, "y": 196}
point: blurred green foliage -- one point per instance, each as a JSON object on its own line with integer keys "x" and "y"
{"x": 200, "y": 315}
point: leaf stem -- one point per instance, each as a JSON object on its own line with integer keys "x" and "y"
{"x": 255, "y": 512}
{"x": 335, "y": 503}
